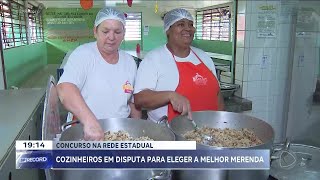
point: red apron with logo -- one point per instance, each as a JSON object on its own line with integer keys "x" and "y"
{"x": 198, "y": 84}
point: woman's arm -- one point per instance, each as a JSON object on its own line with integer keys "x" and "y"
{"x": 135, "y": 112}
{"x": 73, "y": 101}
{"x": 154, "y": 99}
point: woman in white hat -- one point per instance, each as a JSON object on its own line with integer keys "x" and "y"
{"x": 177, "y": 78}
{"x": 98, "y": 78}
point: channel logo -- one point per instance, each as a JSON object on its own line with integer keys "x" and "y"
{"x": 34, "y": 159}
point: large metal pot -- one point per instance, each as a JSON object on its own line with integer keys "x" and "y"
{"x": 136, "y": 128}
{"x": 296, "y": 161}
{"x": 219, "y": 119}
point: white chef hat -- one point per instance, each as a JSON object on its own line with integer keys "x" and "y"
{"x": 110, "y": 13}
{"x": 175, "y": 15}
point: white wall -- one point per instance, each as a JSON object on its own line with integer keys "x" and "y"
{"x": 265, "y": 84}
{"x": 305, "y": 73}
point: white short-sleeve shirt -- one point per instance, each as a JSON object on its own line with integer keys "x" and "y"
{"x": 158, "y": 72}
{"x": 105, "y": 87}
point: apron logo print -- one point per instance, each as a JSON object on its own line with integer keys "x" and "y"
{"x": 199, "y": 80}
{"x": 127, "y": 87}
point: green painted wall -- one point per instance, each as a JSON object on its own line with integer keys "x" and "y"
{"x": 130, "y": 45}
{"x": 155, "y": 38}
{"x": 21, "y": 62}
{"x": 65, "y": 29}
{"x": 63, "y": 34}
{"x": 221, "y": 47}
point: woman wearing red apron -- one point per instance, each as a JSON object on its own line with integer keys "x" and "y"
{"x": 198, "y": 85}
{"x": 177, "y": 78}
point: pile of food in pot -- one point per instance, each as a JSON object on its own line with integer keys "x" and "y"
{"x": 123, "y": 136}
{"x": 224, "y": 137}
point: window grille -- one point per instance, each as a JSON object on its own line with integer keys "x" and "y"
{"x": 214, "y": 24}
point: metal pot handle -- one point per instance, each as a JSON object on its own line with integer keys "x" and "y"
{"x": 163, "y": 175}
{"x": 164, "y": 121}
{"x": 64, "y": 126}
{"x": 284, "y": 147}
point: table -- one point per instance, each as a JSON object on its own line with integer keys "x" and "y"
{"x": 220, "y": 67}
{"x": 217, "y": 64}
{"x": 220, "y": 56}
{"x": 17, "y": 109}
{"x": 137, "y": 55}
{"x": 64, "y": 61}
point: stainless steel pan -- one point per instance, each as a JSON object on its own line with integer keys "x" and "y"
{"x": 136, "y": 128}
{"x": 220, "y": 119}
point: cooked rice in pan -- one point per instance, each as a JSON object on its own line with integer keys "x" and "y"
{"x": 225, "y": 137}
{"x": 123, "y": 136}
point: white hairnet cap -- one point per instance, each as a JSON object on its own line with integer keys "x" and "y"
{"x": 110, "y": 13}
{"x": 175, "y": 15}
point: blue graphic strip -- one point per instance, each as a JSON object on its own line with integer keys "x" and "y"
{"x": 38, "y": 159}
{"x": 134, "y": 159}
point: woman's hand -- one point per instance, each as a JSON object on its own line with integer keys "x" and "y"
{"x": 135, "y": 112}
{"x": 73, "y": 101}
{"x": 93, "y": 131}
{"x": 180, "y": 104}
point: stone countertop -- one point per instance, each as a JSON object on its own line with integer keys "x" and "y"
{"x": 237, "y": 104}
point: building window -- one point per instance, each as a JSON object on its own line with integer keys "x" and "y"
{"x": 17, "y": 25}
{"x": 214, "y": 24}
{"x": 13, "y": 24}
{"x": 35, "y": 24}
{"x": 133, "y": 26}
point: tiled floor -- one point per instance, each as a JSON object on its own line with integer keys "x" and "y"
{"x": 39, "y": 79}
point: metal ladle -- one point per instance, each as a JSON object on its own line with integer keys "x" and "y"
{"x": 205, "y": 137}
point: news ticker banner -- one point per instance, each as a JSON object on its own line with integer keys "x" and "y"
{"x": 135, "y": 155}
{"x": 105, "y": 145}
